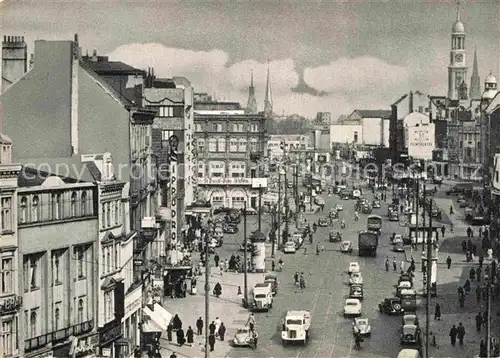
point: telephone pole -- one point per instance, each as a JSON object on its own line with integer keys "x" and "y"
{"x": 207, "y": 288}
{"x": 260, "y": 208}
{"x": 428, "y": 283}
{"x": 488, "y": 309}
{"x": 287, "y": 212}
{"x": 278, "y": 229}
{"x": 245, "y": 265}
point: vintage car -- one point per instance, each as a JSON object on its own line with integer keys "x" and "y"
{"x": 410, "y": 334}
{"x": 242, "y": 337}
{"x": 353, "y": 267}
{"x": 249, "y": 211}
{"x": 323, "y": 222}
{"x": 334, "y": 214}
{"x": 356, "y": 291}
{"x": 376, "y": 204}
{"x": 273, "y": 280}
{"x": 352, "y": 307}
{"x": 230, "y": 229}
{"x": 463, "y": 203}
{"x": 405, "y": 277}
{"x": 334, "y": 236}
{"x": 437, "y": 180}
{"x": 356, "y": 278}
{"x": 339, "y": 207}
{"x": 319, "y": 201}
{"x": 290, "y": 247}
{"x": 361, "y": 326}
{"x": 391, "y": 306}
{"x": 410, "y": 319}
{"x": 435, "y": 212}
{"x": 346, "y": 246}
{"x": 403, "y": 285}
{"x": 345, "y": 196}
{"x": 394, "y": 216}
{"x": 366, "y": 209}
{"x": 399, "y": 247}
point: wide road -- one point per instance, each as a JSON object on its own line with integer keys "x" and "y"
{"x": 327, "y": 288}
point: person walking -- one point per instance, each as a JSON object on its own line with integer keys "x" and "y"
{"x": 222, "y": 331}
{"x": 394, "y": 265}
{"x": 448, "y": 262}
{"x": 479, "y": 322}
{"x": 453, "y": 335}
{"x": 251, "y": 322}
{"x": 461, "y": 300}
{"x": 461, "y": 333}
{"x": 218, "y": 322}
{"x": 216, "y": 260}
{"x": 437, "y": 312}
{"x": 211, "y": 328}
{"x": 387, "y": 265}
{"x": 402, "y": 266}
{"x": 443, "y": 230}
{"x": 190, "y": 335}
{"x": 478, "y": 294}
{"x": 211, "y": 342}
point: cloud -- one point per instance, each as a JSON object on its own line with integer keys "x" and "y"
{"x": 364, "y": 82}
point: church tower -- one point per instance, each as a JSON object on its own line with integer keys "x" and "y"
{"x": 475, "y": 81}
{"x": 252, "y": 102}
{"x": 457, "y": 70}
{"x": 268, "y": 100}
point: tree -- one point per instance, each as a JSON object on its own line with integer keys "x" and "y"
{"x": 293, "y": 124}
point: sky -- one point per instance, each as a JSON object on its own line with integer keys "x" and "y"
{"x": 324, "y": 56}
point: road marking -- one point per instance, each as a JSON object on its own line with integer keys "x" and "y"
{"x": 350, "y": 349}
{"x": 316, "y": 296}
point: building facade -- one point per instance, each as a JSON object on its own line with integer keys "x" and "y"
{"x": 230, "y": 146}
{"x": 291, "y": 142}
{"x": 14, "y": 60}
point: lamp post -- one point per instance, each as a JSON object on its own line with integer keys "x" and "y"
{"x": 282, "y": 172}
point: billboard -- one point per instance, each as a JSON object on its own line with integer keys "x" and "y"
{"x": 421, "y": 141}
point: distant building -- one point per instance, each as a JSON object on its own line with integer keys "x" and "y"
{"x": 14, "y": 60}
{"x": 323, "y": 118}
{"x": 252, "y": 102}
{"x": 230, "y": 148}
{"x": 268, "y": 99}
{"x": 291, "y": 142}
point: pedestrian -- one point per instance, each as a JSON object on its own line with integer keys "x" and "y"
{"x": 451, "y": 209}
{"x": 478, "y": 294}
{"x": 461, "y": 333}
{"x": 180, "y": 337}
{"x": 211, "y": 328}
{"x": 402, "y": 266}
{"x": 464, "y": 246}
{"x": 190, "y": 335}
{"x": 479, "y": 322}
{"x": 469, "y": 232}
{"x": 255, "y": 339}
{"x": 387, "y": 264}
{"x": 482, "y": 349}
{"x": 273, "y": 265}
{"x": 251, "y": 322}
{"x": 453, "y": 335}
{"x": 170, "y": 328}
{"x": 437, "y": 312}
{"x": 478, "y": 274}
{"x": 216, "y": 260}
{"x": 222, "y": 331}
{"x": 443, "y": 230}
{"x": 218, "y": 322}
{"x": 461, "y": 300}
{"x": 302, "y": 281}
{"x": 173, "y": 355}
{"x": 211, "y": 342}
{"x": 199, "y": 326}
{"x": 296, "y": 278}
{"x": 448, "y": 262}
{"x": 176, "y": 322}
{"x": 394, "y": 265}
{"x": 467, "y": 286}
{"x": 472, "y": 274}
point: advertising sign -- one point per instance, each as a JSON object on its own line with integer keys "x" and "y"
{"x": 174, "y": 143}
{"x": 421, "y": 141}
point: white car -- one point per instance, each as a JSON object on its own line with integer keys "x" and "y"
{"x": 242, "y": 337}
{"x": 353, "y": 267}
{"x": 339, "y": 207}
{"x": 289, "y": 248}
{"x": 346, "y": 246}
{"x": 397, "y": 239}
{"x": 352, "y": 307}
{"x": 361, "y": 326}
{"x": 356, "y": 279}
{"x": 404, "y": 285}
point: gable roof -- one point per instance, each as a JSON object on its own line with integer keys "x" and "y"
{"x": 374, "y": 113}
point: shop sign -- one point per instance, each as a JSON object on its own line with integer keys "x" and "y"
{"x": 110, "y": 332}
{"x": 84, "y": 347}
{"x": 10, "y": 304}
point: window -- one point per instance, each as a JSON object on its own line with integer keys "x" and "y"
{"x": 7, "y": 275}
{"x": 56, "y": 204}
{"x": 73, "y": 204}
{"x": 242, "y": 145}
{"x": 238, "y": 127}
{"x": 221, "y": 145}
{"x": 254, "y": 145}
{"x": 201, "y": 170}
{"x": 57, "y": 264}
{"x": 254, "y": 127}
{"x": 355, "y": 137}
{"x": 217, "y": 127}
{"x": 33, "y": 324}
{"x": 108, "y": 306}
{"x": 108, "y": 214}
{"x": 212, "y": 145}
{"x": 35, "y": 209}
{"x": 201, "y": 145}
{"x": 6, "y": 214}
{"x": 197, "y": 127}
{"x": 116, "y": 210}
{"x": 108, "y": 258}
{"x": 117, "y": 256}
{"x": 57, "y": 318}
{"x": 31, "y": 272}
{"x": 103, "y": 216}
{"x": 469, "y": 153}
{"x": 233, "y": 145}
{"x": 7, "y": 338}
{"x": 80, "y": 253}
{"x": 166, "y": 111}
{"x": 83, "y": 204}
{"x": 23, "y": 210}
{"x": 80, "y": 310}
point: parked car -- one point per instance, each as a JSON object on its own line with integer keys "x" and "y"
{"x": 410, "y": 334}
{"x": 249, "y": 211}
{"x": 242, "y": 337}
{"x": 437, "y": 180}
{"x": 399, "y": 247}
{"x": 394, "y": 216}
{"x": 353, "y": 268}
{"x": 230, "y": 229}
{"x": 289, "y": 248}
{"x": 361, "y": 326}
{"x": 356, "y": 291}
{"x": 391, "y": 306}
{"x": 273, "y": 280}
{"x": 398, "y": 238}
{"x": 334, "y": 236}
{"x": 376, "y": 204}
{"x": 346, "y": 246}
{"x": 339, "y": 207}
{"x": 356, "y": 279}
{"x": 319, "y": 201}
{"x": 323, "y": 222}
{"x": 435, "y": 212}
{"x": 352, "y": 307}
{"x": 463, "y": 203}
{"x": 345, "y": 196}
{"x": 410, "y": 319}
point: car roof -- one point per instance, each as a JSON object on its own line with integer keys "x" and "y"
{"x": 353, "y": 263}
{"x": 361, "y": 320}
{"x": 346, "y": 242}
{"x": 354, "y": 300}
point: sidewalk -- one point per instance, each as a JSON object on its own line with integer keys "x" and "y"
{"x": 228, "y": 308}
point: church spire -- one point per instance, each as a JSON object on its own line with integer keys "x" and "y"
{"x": 458, "y": 10}
{"x": 475, "y": 81}
{"x": 268, "y": 100}
{"x": 252, "y": 102}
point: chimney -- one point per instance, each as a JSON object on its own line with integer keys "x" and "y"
{"x": 94, "y": 55}
{"x": 410, "y": 102}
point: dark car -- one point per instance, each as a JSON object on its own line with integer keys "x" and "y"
{"x": 399, "y": 247}
{"x": 376, "y": 204}
{"x": 334, "y": 236}
{"x": 323, "y": 222}
{"x": 465, "y": 189}
{"x": 356, "y": 291}
{"x": 273, "y": 280}
{"x": 230, "y": 229}
{"x": 391, "y": 306}
{"x": 435, "y": 212}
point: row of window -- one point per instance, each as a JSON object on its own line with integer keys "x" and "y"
{"x": 142, "y": 138}
{"x": 111, "y": 214}
{"x": 110, "y": 258}
{"x": 170, "y": 111}
{"x": 232, "y": 127}
{"x": 235, "y": 145}
{"x": 9, "y": 342}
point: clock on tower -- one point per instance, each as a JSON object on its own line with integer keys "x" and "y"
{"x": 459, "y": 57}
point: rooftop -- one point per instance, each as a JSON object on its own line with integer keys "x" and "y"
{"x": 102, "y": 66}
{"x": 376, "y": 113}
{"x": 217, "y": 106}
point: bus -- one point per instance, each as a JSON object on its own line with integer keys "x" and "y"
{"x": 374, "y": 223}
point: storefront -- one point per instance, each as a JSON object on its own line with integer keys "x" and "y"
{"x": 110, "y": 333}
{"x": 78, "y": 347}
{"x": 131, "y": 320}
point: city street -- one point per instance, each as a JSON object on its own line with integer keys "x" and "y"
{"x": 326, "y": 290}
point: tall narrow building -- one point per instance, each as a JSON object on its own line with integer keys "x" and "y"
{"x": 252, "y": 102}
{"x": 457, "y": 70}
{"x": 14, "y": 60}
{"x": 475, "y": 81}
{"x": 268, "y": 100}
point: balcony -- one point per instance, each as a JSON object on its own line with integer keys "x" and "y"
{"x": 11, "y": 304}
{"x": 58, "y": 336}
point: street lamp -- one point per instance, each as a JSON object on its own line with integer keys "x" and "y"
{"x": 284, "y": 237}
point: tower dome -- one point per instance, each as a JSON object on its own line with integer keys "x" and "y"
{"x": 490, "y": 87}
{"x": 458, "y": 28}
{"x": 490, "y": 79}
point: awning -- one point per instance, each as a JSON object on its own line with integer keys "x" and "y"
{"x": 158, "y": 318}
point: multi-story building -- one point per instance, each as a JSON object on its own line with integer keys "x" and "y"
{"x": 277, "y": 144}
{"x": 230, "y": 147}
{"x": 92, "y": 116}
